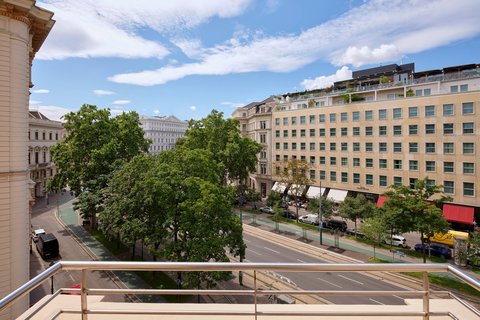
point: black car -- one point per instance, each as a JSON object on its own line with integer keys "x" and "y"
{"x": 289, "y": 215}
{"x": 336, "y": 225}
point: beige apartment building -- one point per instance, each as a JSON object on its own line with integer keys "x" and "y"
{"x": 387, "y": 125}
{"x": 23, "y": 28}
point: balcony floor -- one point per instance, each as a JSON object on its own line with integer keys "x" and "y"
{"x": 72, "y": 302}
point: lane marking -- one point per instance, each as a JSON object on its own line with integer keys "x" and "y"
{"x": 253, "y": 251}
{"x": 373, "y": 300}
{"x": 398, "y": 297}
{"x": 330, "y": 283}
{"x": 301, "y": 261}
{"x": 247, "y": 241}
{"x": 353, "y": 280}
{"x": 267, "y": 248}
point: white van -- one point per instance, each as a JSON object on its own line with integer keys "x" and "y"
{"x": 309, "y": 218}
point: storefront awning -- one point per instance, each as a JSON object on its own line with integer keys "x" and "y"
{"x": 296, "y": 189}
{"x": 456, "y": 213}
{"x": 337, "y": 195}
{"x": 279, "y": 187}
{"x": 314, "y": 192}
{"x": 380, "y": 201}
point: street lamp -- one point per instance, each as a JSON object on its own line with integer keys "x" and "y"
{"x": 241, "y": 199}
{"x": 320, "y": 223}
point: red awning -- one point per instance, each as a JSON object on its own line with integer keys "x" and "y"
{"x": 380, "y": 201}
{"x": 456, "y": 213}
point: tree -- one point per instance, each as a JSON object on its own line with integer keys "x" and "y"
{"x": 274, "y": 199}
{"x": 416, "y": 209}
{"x": 96, "y": 145}
{"x": 327, "y": 206}
{"x": 355, "y": 208}
{"x": 235, "y": 156}
{"x": 375, "y": 230}
{"x": 294, "y": 172}
{"x": 474, "y": 249}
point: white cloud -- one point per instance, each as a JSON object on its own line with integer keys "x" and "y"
{"x": 100, "y": 92}
{"x": 232, "y": 104}
{"x": 105, "y": 28}
{"x": 41, "y": 91}
{"x": 156, "y": 111}
{"x": 34, "y": 102}
{"x": 121, "y": 101}
{"x": 193, "y": 108}
{"x": 326, "y": 81}
{"x": 116, "y": 111}
{"x": 53, "y": 112}
{"x": 377, "y": 31}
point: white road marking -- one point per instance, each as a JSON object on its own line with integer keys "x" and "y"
{"x": 247, "y": 241}
{"x": 330, "y": 283}
{"x": 267, "y": 248}
{"x": 376, "y": 301}
{"x": 301, "y": 261}
{"x": 252, "y": 251}
{"x": 347, "y": 278}
{"x": 73, "y": 279}
{"x": 398, "y": 297}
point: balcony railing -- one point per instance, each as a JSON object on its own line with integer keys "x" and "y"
{"x": 255, "y": 292}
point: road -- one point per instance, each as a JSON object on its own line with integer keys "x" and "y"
{"x": 259, "y": 250}
{"x": 70, "y": 249}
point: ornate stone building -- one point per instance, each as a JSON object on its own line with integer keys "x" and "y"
{"x": 23, "y": 28}
{"x": 163, "y": 132}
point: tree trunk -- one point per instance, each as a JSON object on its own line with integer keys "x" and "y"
{"x": 133, "y": 249}
{"x": 356, "y": 229}
{"x": 423, "y": 248}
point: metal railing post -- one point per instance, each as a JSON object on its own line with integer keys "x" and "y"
{"x": 83, "y": 294}
{"x": 255, "y": 291}
{"x": 426, "y": 296}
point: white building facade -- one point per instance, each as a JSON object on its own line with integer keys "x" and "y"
{"x": 163, "y": 132}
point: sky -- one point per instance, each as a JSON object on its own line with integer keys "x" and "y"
{"x": 187, "y": 57}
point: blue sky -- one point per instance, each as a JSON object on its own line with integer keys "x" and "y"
{"x": 186, "y": 57}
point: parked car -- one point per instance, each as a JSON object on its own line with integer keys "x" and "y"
{"x": 36, "y": 233}
{"x": 309, "y": 218}
{"x": 336, "y": 225}
{"x": 436, "y": 249}
{"x": 289, "y": 215}
{"x": 397, "y": 241}
{"x": 266, "y": 210}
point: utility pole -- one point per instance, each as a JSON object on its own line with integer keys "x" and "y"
{"x": 240, "y": 274}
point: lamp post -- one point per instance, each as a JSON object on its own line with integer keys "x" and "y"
{"x": 320, "y": 223}
{"x": 240, "y": 274}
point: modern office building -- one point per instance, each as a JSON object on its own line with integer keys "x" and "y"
{"x": 43, "y": 133}
{"x": 256, "y": 123}
{"x": 387, "y": 125}
{"x": 23, "y": 28}
{"x": 163, "y": 131}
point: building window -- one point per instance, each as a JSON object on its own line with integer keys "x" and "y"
{"x": 285, "y": 133}
{"x": 397, "y": 181}
{"x": 356, "y": 146}
{"x": 277, "y": 133}
{"x": 36, "y": 157}
{"x": 277, "y": 157}
{"x": 343, "y": 117}
{"x": 322, "y": 160}
{"x": 468, "y": 148}
{"x": 449, "y": 187}
{"x": 429, "y": 129}
{"x": 312, "y": 145}
{"x": 321, "y": 146}
{"x": 382, "y": 163}
{"x": 369, "y": 115}
{"x": 303, "y": 146}
{"x": 312, "y": 174}
{"x": 453, "y": 89}
{"x": 263, "y": 154}
{"x": 448, "y": 128}
{"x": 277, "y": 145}
{"x": 356, "y": 116}
{"x": 43, "y": 135}
{"x": 36, "y": 135}
{"x": 368, "y": 131}
{"x": 448, "y": 167}
{"x": 321, "y": 118}
{"x": 302, "y": 132}
{"x": 397, "y": 147}
{"x": 263, "y": 124}
{"x": 49, "y": 136}
{"x": 448, "y": 148}
{"x": 285, "y": 121}
{"x": 312, "y": 119}
{"x": 397, "y": 113}
{"x": 321, "y": 132}
{"x": 430, "y": 147}
{"x": 333, "y": 176}
{"x": 369, "y": 179}
{"x": 369, "y": 147}
{"x": 468, "y": 189}
{"x": 382, "y": 147}
{"x": 430, "y": 166}
{"x": 263, "y": 168}
{"x": 369, "y": 163}
{"x": 429, "y": 111}
{"x": 448, "y": 109}
{"x": 285, "y": 145}
{"x": 285, "y": 157}
{"x": 344, "y": 132}
{"x": 413, "y": 165}
{"x": 294, "y": 145}
{"x": 397, "y": 164}
{"x": 463, "y": 87}
{"x": 397, "y": 130}
{"x": 382, "y": 114}
{"x": 468, "y": 128}
{"x": 294, "y": 120}
{"x": 412, "y": 147}
{"x": 345, "y": 177}
{"x": 312, "y": 159}
{"x": 333, "y": 117}
{"x": 294, "y": 133}
{"x": 413, "y": 129}
{"x": 356, "y": 162}
{"x": 383, "y": 182}
{"x": 263, "y": 138}
{"x": 322, "y": 174}
{"x": 312, "y": 132}
{"x": 468, "y": 168}
{"x": 467, "y": 108}
{"x": 333, "y": 132}
{"x": 356, "y": 178}
{"x": 413, "y": 112}
{"x": 356, "y": 131}
{"x": 344, "y": 161}
{"x": 382, "y": 130}
{"x": 344, "y": 146}
{"x": 333, "y": 161}
{"x": 333, "y": 146}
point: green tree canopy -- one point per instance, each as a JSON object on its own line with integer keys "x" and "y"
{"x": 355, "y": 208}
{"x": 375, "y": 230}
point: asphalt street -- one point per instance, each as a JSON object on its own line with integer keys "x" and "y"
{"x": 259, "y": 250}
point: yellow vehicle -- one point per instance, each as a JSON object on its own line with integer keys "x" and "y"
{"x": 449, "y": 238}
